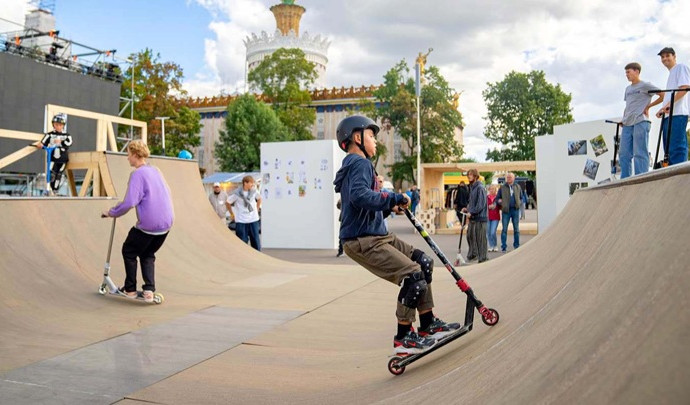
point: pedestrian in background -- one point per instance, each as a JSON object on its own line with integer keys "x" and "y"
{"x": 217, "y": 198}
{"x": 494, "y": 217}
{"x": 462, "y": 197}
{"x": 478, "y": 215}
{"x": 245, "y": 203}
{"x": 508, "y": 198}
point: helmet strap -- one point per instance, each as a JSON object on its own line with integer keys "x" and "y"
{"x": 361, "y": 145}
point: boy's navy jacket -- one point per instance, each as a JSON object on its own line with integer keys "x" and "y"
{"x": 363, "y": 205}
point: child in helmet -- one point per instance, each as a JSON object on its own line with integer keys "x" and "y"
{"x": 57, "y": 142}
{"x": 366, "y": 240}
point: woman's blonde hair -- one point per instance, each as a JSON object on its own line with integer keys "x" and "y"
{"x": 138, "y": 148}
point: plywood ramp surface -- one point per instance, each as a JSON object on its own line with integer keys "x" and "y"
{"x": 594, "y": 309}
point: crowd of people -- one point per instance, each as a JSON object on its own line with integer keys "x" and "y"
{"x": 484, "y": 207}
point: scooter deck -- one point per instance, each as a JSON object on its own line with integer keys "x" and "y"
{"x": 157, "y": 297}
{"x": 405, "y": 360}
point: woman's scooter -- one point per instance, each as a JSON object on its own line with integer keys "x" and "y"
{"x": 109, "y": 288}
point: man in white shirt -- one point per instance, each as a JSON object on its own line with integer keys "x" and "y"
{"x": 678, "y": 78}
{"x": 245, "y": 203}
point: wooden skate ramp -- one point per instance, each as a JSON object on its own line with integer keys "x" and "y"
{"x": 592, "y": 310}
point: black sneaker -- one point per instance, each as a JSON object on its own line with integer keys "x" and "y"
{"x": 412, "y": 343}
{"x": 439, "y": 329}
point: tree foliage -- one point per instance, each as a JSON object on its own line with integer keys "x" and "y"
{"x": 157, "y": 86}
{"x": 520, "y": 107}
{"x": 249, "y": 122}
{"x": 439, "y": 119}
{"x": 284, "y": 79}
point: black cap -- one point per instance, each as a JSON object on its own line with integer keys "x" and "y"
{"x": 668, "y": 49}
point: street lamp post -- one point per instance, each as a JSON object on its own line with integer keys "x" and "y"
{"x": 163, "y": 130}
{"x": 419, "y": 81}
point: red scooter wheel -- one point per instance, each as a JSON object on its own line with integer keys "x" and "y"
{"x": 491, "y": 317}
{"x": 393, "y": 366}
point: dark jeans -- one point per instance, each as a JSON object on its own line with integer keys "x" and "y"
{"x": 513, "y": 215}
{"x": 249, "y": 233}
{"x": 144, "y": 246}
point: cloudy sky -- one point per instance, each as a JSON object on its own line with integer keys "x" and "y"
{"x": 583, "y": 44}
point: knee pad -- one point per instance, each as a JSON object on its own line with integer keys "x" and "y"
{"x": 412, "y": 289}
{"x": 425, "y": 262}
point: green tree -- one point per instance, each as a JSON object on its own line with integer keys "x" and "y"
{"x": 249, "y": 123}
{"x": 181, "y": 131}
{"x": 284, "y": 78}
{"x": 520, "y": 107}
{"x": 157, "y": 87}
{"x": 439, "y": 119}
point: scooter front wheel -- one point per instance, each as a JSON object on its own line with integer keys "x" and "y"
{"x": 103, "y": 289}
{"x": 393, "y": 366}
{"x": 491, "y": 317}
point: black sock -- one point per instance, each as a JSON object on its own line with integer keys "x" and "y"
{"x": 402, "y": 331}
{"x": 425, "y": 320}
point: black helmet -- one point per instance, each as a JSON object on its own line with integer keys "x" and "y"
{"x": 353, "y": 124}
{"x": 60, "y": 118}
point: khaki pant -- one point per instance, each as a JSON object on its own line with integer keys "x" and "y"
{"x": 389, "y": 258}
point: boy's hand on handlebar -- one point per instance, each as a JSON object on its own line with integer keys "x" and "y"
{"x": 105, "y": 214}
{"x": 405, "y": 203}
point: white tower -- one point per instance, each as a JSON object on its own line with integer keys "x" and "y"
{"x": 288, "y": 15}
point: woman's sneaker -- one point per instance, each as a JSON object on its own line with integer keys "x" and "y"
{"x": 439, "y": 329}
{"x": 148, "y": 296}
{"x": 412, "y": 343}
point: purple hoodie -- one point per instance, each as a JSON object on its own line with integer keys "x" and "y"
{"x": 148, "y": 191}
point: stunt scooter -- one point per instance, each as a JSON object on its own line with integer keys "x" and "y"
{"x": 459, "y": 260}
{"x": 108, "y": 286}
{"x": 615, "y": 165}
{"x": 397, "y": 364}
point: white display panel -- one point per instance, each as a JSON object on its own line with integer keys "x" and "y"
{"x": 299, "y": 203}
{"x": 561, "y": 163}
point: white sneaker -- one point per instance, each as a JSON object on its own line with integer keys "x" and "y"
{"x": 148, "y": 296}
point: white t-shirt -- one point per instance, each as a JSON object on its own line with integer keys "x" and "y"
{"x": 678, "y": 76}
{"x": 242, "y": 214}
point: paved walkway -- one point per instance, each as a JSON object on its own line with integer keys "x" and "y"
{"x": 402, "y": 227}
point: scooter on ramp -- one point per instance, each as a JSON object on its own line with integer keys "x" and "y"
{"x": 108, "y": 287}
{"x": 397, "y": 364}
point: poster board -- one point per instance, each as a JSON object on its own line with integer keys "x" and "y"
{"x": 577, "y": 155}
{"x": 298, "y": 200}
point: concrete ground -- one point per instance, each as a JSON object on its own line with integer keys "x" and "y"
{"x": 402, "y": 227}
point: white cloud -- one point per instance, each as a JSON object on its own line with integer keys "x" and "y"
{"x": 13, "y": 11}
{"x": 583, "y": 45}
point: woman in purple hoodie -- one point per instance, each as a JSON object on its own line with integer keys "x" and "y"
{"x": 150, "y": 194}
